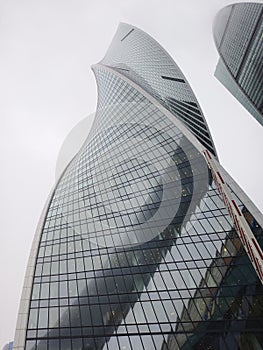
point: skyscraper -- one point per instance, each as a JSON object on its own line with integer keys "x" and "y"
{"x": 238, "y": 35}
{"x": 145, "y": 241}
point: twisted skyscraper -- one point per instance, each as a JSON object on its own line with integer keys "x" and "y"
{"x": 145, "y": 242}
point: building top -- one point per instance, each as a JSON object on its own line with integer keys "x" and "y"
{"x": 136, "y": 55}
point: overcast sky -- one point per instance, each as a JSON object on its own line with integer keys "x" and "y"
{"x": 47, "y": 87}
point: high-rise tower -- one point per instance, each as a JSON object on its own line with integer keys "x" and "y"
{"x": 145, "y": 241}
{"x": 238, "y": 35}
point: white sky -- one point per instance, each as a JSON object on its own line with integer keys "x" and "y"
{"x": 46, "y": 87}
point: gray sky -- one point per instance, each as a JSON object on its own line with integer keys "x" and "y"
{"x": 47, "y": 87}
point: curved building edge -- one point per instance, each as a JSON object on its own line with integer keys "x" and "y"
{"x": 23, "y": 311}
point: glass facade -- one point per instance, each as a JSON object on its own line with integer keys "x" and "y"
{"x": 136, "y": 249}
{"x": 238, "y": 32}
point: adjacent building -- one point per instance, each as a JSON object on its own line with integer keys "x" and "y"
{"x": 8, "y": 346}
{"x": 238, "y": 35}
{"x": 145, "y": 241}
